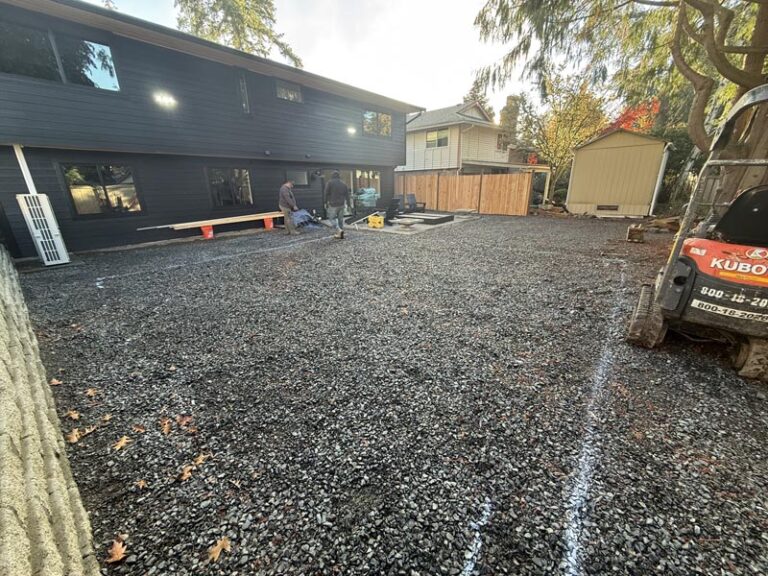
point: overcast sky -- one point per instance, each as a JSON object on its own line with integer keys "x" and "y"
{"x": 424, "y": 52}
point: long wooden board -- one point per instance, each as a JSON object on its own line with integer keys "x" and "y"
{"x": 217, "y": 221}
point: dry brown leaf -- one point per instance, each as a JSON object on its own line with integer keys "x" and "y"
{"x": 73, "y": 436}
{"x": 116, "y": 552}
{"x": 91, "y": 392}
{"x": 55, "y": 382}
{"x": 183, "y": 420}
{"x": 191, "y": 430}
{"x": 141, "y": 484}
{"x": 87, "y": 430}
{"x": 186, "y": 473}
{"x": 106, "y": 418}
{"x": 165, "y": 425}
{"x": 201, "y": 458}
{"x": 139, "y": 429}
{"x": 122, "y": 443}
{"x": 215, "y": 551}
{"x": 73, "y": 414}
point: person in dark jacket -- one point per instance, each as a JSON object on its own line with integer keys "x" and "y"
{"x": 338, "y": 197}
{"x": 287, "y": 203}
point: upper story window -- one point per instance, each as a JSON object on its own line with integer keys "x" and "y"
{"x": 437, "y": 139}
{"x": 299, "y": 177}
{"x": 230, "y": 186}
{"x": 289, "y": 91}
{"x": 377, "y": 123}
{"x": 32, "y": 52}
{"x": 242, "y": 85}
{"x": 106, "y": 189}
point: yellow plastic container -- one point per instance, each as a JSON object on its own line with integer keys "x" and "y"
{"x": 375, "y": 221}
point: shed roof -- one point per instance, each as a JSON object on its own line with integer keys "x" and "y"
{"x": 137, "y": 29}
{"x": 617, "y": 131}
{"x": 456, "y": 114}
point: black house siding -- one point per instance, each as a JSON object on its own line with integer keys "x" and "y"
{"x": 171, "y": 189}
{"x": 208, "y": 120}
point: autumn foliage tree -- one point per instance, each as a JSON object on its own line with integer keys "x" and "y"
{"x": 572, "y": 114}
{"x": 712, "y": 50}
{"x": 638, "y": 118}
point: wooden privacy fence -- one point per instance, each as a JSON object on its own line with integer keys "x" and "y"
{"x": 507, "y": 194}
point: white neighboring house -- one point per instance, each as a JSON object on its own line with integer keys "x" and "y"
{"x": 460, "y": 138}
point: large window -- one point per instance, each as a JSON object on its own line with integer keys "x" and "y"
{"x": 437, "y": 139}
{"x": 289, "y": 91}
{"x": 230, "y": 186}
{"x": 101, "y": 189}
{"x": 368, "y": 189}
{"x": 31, "y": 52}
{"x": 377, "y": 123}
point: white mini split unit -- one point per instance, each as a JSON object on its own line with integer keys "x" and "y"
{"x": 43, "y": 227}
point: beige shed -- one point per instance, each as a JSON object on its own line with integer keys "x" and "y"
{"x": 617, "y": 174}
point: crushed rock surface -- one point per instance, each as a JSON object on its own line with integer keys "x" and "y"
{"x": 457, "y": 402}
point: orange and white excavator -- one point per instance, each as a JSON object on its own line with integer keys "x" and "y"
{"x": 715, "y": 282}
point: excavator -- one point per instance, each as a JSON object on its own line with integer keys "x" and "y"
{"x": 714, "y": 285}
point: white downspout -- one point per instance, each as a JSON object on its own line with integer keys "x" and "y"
{"x": 660, "y": 179}
{"x": 17, "y": 148}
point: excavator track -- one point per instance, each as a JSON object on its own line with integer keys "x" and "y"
{"x": 752, "y": 359}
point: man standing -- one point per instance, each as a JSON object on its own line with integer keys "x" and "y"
{"x": 338, "y": 196}
{"x": 287, "y": 203}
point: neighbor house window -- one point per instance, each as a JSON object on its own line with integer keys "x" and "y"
{"x": 299, "y": 177}
{"x": 230, "y": 186}
{"x": 245, "y": 103}
{"x": 377, "y": 123}
{"x": 289, "y": 91}
{"x": 437, "y": 139}
{"x": 32, "y": 52}
{"x": 101, "y": 189}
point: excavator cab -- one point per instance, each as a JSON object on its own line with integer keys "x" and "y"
{"x": 715, "y": 282}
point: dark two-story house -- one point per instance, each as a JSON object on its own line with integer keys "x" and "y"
{"x": 125, "y": 124}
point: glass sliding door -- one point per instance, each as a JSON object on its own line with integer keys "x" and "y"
{"x": 345, "y": 176}
{"x": 368, "y": 188}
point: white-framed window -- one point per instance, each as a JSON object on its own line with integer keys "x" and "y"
{"x": 288, "y": 91}
{"x": 437, "y": 138}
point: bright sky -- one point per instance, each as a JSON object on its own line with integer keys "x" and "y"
{"x": 424, "y": 52}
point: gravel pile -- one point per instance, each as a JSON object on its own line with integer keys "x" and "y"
{"x": 400, "y": 405}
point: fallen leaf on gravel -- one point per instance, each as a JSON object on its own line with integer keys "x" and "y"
{"x": 73, "y": 436}
{"x": 165, "y": 425}
{"x": 55, "y": 382}
{"x": 183, "y": 420}
{"x": 73, "y": 414}
{"x": 215, "y": 551}
{"x": 116, "y": 552}
{"x": 141, "y": 484}
{"x": 201, "y": 458}
{"x": 139, "y": 429}
{"x": 87, "y": 430}
{"x": 191, "y": 430}
{"x": 122, "y": 443}
{"x": 106, "y": 418}
{"x": 186, "y": 473}
{"x": 91, "y": 392}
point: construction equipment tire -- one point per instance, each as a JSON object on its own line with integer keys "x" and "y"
{"x": 648, "y": 327}
{"x": 751, "y": 359}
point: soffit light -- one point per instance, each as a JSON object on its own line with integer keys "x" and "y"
{"x": 164, "y": 100}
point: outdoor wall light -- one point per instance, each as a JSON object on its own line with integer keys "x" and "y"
{"x": 164, "y": 100}
{"x": 267, "y": 153}
{"x": 351, "y": 130}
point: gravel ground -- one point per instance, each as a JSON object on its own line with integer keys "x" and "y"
{"x": 456, "y": 402}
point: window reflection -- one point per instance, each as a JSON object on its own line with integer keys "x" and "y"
{"x": 230, "y": 186}
{"x": 27, "y": 51}
{"x": 101, "y": 189}
{"x": 87, "y": 63}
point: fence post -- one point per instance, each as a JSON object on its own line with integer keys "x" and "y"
{"x": 437, "y": 194}
{"x": 480, "y": 194}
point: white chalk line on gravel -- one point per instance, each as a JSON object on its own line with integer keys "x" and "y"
{"x": 590, "y": 448}
{"x": 100, "y": 280}
{"x": 477, "y": 541}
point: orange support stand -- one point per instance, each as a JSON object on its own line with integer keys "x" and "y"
{"x": 207, "y": 232}
{"x": 268, "y": 224}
